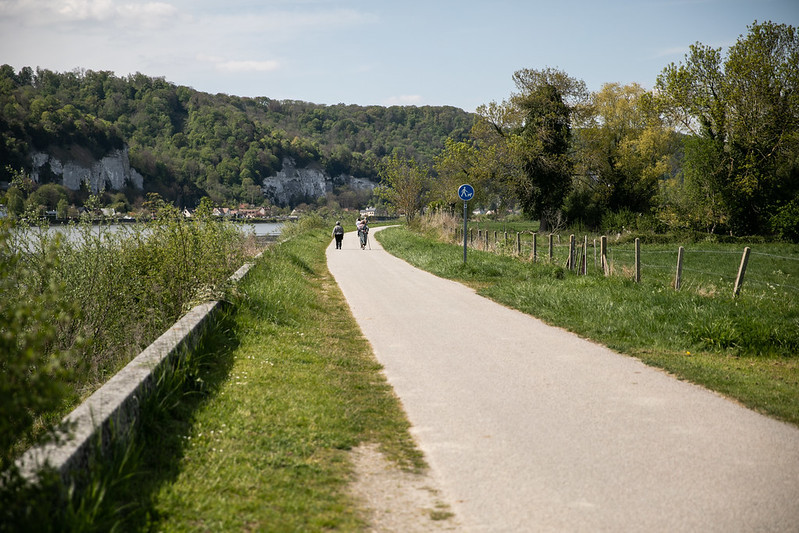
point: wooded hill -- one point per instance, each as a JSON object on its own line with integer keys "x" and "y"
{"x": 189, "y": 144}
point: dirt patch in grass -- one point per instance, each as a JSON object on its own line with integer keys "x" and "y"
{"x": 395, "y": 499}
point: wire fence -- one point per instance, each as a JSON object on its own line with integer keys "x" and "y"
{"x": 770, "y": 270}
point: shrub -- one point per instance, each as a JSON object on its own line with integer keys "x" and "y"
{"x": 32, "y": 371}
{"x": 785, "y": 224}
{"x": 100, "y": 293}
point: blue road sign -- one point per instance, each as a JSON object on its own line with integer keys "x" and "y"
{"x": 465, "y": 192}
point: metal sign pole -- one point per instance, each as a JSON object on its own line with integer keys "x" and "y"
{"x": 465, "y": 230}
{"x": 465, "y": 193}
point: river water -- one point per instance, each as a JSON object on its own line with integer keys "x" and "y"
{"x": 260, "y": 229}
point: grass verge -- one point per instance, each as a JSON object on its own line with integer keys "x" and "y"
{"x": 295, "y": 386}
{"x": 746, "y": 348}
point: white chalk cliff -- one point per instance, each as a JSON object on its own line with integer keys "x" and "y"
{"x": 112, "y": 172}
{"x": 293, "y": 184}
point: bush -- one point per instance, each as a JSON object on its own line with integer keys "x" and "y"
{"x": 103, "y": 294}
{"x": 32, "y": 370}
{"x": 785, "y": 224}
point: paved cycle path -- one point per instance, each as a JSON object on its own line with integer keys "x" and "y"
{"x": 531, "y": 428}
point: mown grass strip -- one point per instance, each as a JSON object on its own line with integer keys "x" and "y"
{"x": 294, "y": 387}
{"x": 746, "y": 348}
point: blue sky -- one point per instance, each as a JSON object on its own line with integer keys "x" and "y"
{"x": 407, "y": 52}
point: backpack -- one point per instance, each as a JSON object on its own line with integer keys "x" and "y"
{"x": 338, "y": 230}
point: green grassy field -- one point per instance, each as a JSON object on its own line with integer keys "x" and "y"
{"x": 745, "y": 347}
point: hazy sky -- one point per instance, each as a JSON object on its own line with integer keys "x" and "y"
{"x": 461, "y": 53}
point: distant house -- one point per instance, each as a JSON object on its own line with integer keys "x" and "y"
{"x": 223, "y": 212}
{"x": 374, "y": 212}
{"x": 252, "y": 213}
{"x": 187, "y": 213}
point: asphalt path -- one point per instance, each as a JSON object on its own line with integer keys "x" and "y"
{"x": 531, "y": 428}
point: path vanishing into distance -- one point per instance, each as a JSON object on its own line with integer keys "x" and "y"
{"x": 527, "y": 427}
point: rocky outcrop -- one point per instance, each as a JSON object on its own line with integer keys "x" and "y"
{"x": 293, "y": 185}
{"x": 112, "y": 172}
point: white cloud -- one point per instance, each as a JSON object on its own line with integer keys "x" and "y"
{"x": 148, "y": 11}
{"x": 248, "y": 66}
{"x": 404, "y": 99}
{"x": 84, "y": 9}
{"x": 46, "y": 12}
{"x": 669, "y": 52}
{"x": 226, "y": 65}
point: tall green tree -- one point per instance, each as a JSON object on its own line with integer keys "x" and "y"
{"x": 623, "y": 151}
{"x": 404, "y": 185}
{"x": 545, "y": 138}
{"x": 499, "y": 157}
{"x": 744, "y": 112}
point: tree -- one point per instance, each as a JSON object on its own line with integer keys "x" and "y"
{"x": 62, "y": 209}
{"x": 499, "y": 161}
{"x": 545, "y": 138}
{"x": 48, "y": 196}
{"x": 15, "y": 201}
{"x": 622, "y": 152}
{"x": 403, "y": 185}
{"x": 745, "y": 110}
{"x": 454, "y": 166}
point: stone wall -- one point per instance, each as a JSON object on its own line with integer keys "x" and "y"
{"x": 108, "y": 414}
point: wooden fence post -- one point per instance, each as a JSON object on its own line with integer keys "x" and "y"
{"x": 678, "y": 278}
{"x": 550, "y": 247}
{"x": 637, "y": 260}
{"x": 518, "y": 243}
{"x": 603, "y": 255}
{"x": 535, "y": 247}
{"x": 584, "y": 264}
{"x": 739, "y": 280}
{"x": 570, "y": 260}
{"x": 485, "y": 246}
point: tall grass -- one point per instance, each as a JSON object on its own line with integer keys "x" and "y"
{"x": 103, "y": 296}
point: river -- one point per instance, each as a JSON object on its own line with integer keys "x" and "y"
{"x": 260, "y": 229}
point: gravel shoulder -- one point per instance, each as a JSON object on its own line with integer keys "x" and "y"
{"x": 397, "y": 500}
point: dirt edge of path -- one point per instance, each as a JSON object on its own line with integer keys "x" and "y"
{"x": 396, "y": 500}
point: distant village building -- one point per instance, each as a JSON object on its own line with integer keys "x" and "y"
{"x": 374, "y": 212}
{"x": 252, "y": 213}
{"x": 222, "y": 212}
{"x": 258, "y": 212}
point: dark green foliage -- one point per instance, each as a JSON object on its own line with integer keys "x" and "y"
{"x": 744, "y": 111}
{"x": 546, "y": 134}
{"x": 785, "y": 223}
{"x": 189, "y": 144}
